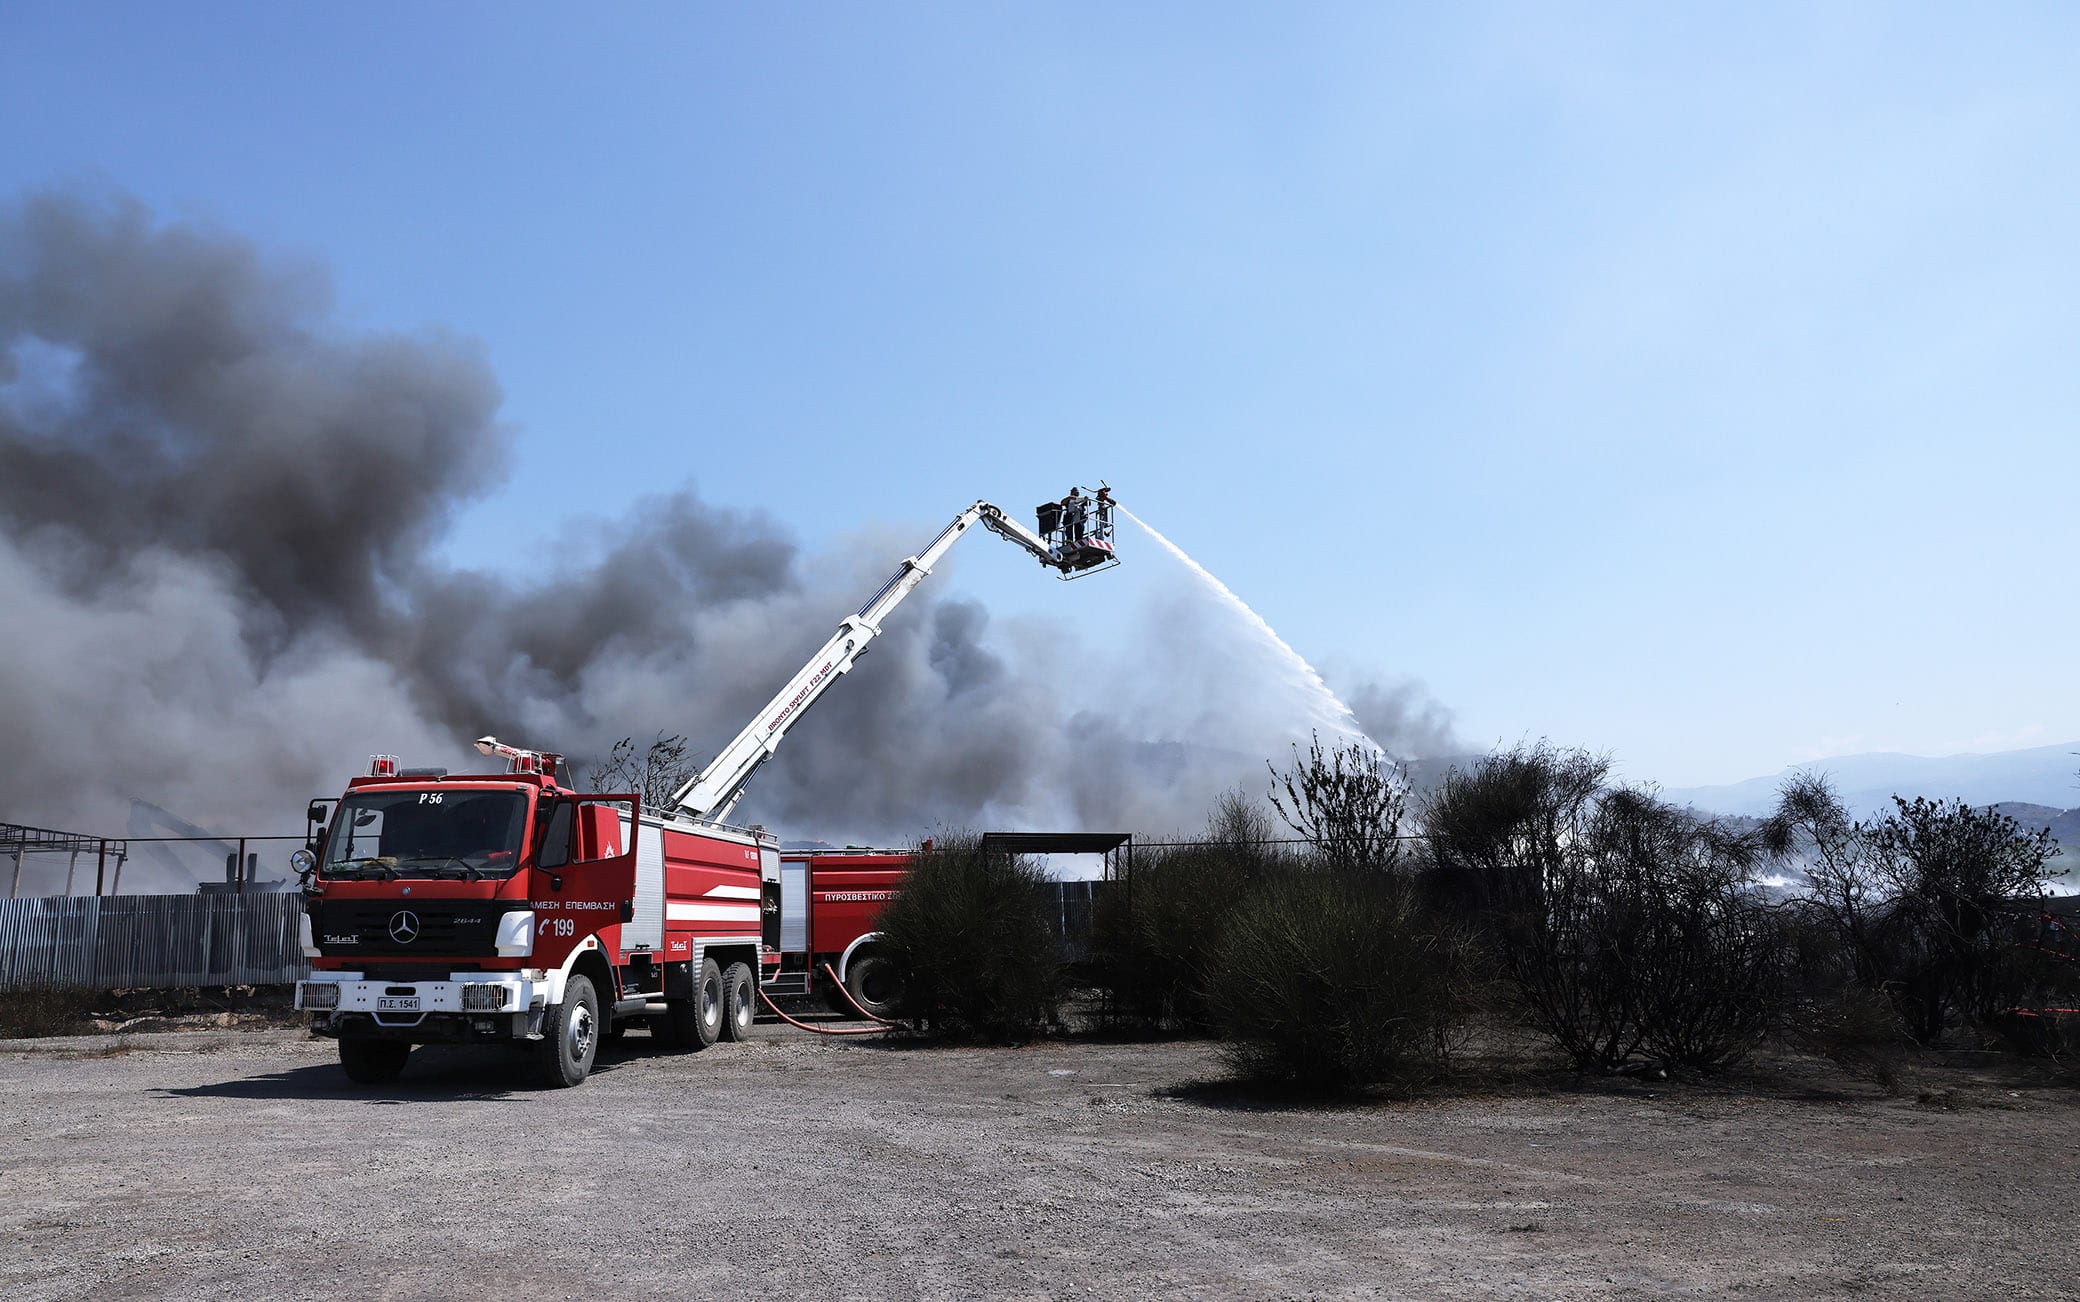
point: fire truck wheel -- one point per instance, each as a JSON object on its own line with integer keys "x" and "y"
{"x": 696, "y": 1023}
{"x": 570, "y": 1035}
{"x": 739, "y": 1002}
{"x": 873, "y": 980}
{"x": 371, "y": 1062}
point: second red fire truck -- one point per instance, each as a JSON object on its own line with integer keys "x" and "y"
{"x": 511, "y": 907}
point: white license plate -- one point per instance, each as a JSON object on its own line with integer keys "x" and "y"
{"x": 397, "y": 1003}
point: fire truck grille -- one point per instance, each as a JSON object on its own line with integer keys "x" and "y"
{"x": 407, "y": 928}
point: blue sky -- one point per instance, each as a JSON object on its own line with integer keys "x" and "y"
{"x": 1691, "y": 382}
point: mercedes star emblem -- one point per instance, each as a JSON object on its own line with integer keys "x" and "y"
{"x": 404, "y": 926}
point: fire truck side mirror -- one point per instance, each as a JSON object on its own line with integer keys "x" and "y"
{"x": 314, "y": 819}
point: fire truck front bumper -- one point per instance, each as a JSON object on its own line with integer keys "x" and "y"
{"x": 467, "y": 1006}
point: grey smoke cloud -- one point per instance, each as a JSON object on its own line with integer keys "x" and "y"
{"x": 216, "y": 519}
{"x": 1402, "y": 716}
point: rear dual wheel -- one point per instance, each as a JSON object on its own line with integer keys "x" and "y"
{"x": 696, "y": 1023}
{"x": 874, "y": 982}
{"x": 739, "y": 1002}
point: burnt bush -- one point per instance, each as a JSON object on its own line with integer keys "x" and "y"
{"x": 1337, "y": 980}
{"x": 1626, "y": 927}
{"x": 1156, "y": 927}
{"x": 1704, "y": 951}
{"x": 1934, "y": 905}
{"x": 971, "y": 938}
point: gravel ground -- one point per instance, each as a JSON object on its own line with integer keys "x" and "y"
{"x": 242, "y": 1164}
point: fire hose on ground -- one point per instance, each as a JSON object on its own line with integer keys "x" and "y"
{"x": 885, "y": 1024}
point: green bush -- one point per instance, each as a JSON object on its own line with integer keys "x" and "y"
{"x": 972, "y": 940}
{"x": 1155, "y": 927}
{"x": 1154, "y": 931}
{"x": 1337, "y": 980}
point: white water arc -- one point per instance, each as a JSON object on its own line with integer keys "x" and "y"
{"x": 1325, "y": 710}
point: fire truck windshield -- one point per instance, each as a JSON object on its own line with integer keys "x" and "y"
{"x": 454, "y": 833}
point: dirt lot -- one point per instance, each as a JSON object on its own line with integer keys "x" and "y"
{"x": 242, "y": 1164}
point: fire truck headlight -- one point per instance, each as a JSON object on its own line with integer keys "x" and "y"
{"x": 516, "y": 934}
{"x": 478, "y": 996}
{"x": 303, "y": 861}
{"x": 320, "y": 995}
{"x": 305, "y": 937}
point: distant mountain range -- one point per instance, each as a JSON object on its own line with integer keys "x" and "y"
{"x": 2065, "y": 829}
{"x": 2045, "y": 780}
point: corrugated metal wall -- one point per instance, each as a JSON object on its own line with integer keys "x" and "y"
{"x": 141, "y": 941}
{"x": 145, "y": 941}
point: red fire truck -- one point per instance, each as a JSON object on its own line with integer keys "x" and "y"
{"x": 511, "y": 907}
{"x": 830, "y": 902}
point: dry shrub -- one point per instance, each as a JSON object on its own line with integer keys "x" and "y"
{"x": 1856, "y": 1028}
{"x": 974, "y": 945}
{"x": 31, "y": 1014}
{"x": 2040, "y": 1033}
{"x": 1346, "y": 800}
{"x": 1338, "y": 981}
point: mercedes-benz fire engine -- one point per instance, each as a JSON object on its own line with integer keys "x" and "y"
{"x": 511, "y": 907}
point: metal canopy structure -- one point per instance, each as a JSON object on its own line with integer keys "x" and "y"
{"x": 17, "y": 841}
{"x": 1116, "y": 847}
{"x": 1053, "y": 842}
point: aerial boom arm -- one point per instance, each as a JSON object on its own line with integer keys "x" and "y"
{"x": 715, "y": 790}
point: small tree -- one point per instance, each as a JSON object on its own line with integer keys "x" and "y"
{"x": 1347, "y": 801}
{"x": 1812, "y": 830}
{"x": 1698, "y": 951}
{"x": 1959, "y": 877}
{"x": 659, "y": 770}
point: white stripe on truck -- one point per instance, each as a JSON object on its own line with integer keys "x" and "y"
{"x": 677, "y": 912}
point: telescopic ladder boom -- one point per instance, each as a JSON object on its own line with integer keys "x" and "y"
{"x": 715, "y": 790}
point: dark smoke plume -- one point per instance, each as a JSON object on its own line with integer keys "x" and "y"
{"x": 216, "y": 516}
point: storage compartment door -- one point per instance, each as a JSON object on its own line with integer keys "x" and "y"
{"x": 794, "y": 906}
{"x": 646, "y": 929}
